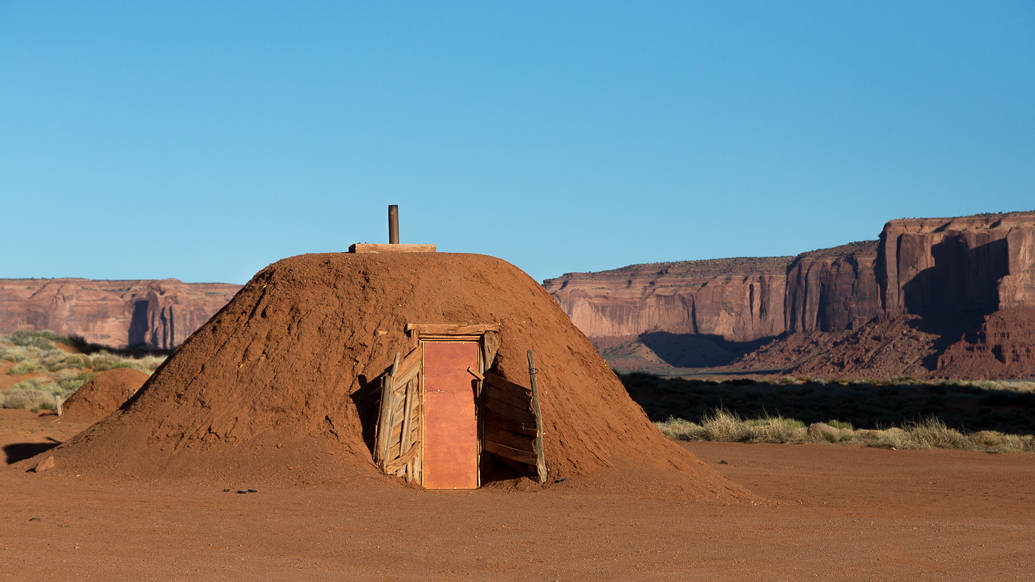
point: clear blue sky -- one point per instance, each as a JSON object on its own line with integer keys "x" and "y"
{"x": 204, "y": 140}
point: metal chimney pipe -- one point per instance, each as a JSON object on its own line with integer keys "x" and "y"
{"x": 393, "y": 224}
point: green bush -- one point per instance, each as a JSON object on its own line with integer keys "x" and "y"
{"x": 72, "y": 383}
{"x": 43, "y": 340}
{"x": 14, "y": 356}
{"x": 59, "y": 360}
{"x": 840, "y": 425}
{"x": 25, "y": 367}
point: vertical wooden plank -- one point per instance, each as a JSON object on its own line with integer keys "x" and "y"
{"x": 490, "y": 344}
{"x": 411, "y": 396}
{"x": 540, "y": 464}
{"x": 384, "y": 417}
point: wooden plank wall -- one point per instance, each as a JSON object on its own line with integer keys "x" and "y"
{"x": 511, "y": 423}
{"x": 397, "y": 448}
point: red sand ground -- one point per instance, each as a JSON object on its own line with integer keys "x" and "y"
{"x": 837, "y": 513}
{"x": 103, "y": 394}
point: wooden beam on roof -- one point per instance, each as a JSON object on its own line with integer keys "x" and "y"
{"x": 390, "y": 248}
{"x": 451, "y": 328}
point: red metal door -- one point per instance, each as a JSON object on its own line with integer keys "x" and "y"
{"x": 450, "y": 420}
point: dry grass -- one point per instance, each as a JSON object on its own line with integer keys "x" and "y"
{"x": 36, "y": 352}
{"x": 31, "y": 399}
{"x": 722, "y": 425}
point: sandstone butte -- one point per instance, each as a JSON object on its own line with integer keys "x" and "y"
{"x": 961, "y": 291}
{"x": 157, "y": 314}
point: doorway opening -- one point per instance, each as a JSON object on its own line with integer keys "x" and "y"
{"x": 447, "y": 420}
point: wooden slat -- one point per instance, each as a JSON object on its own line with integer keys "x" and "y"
{"x": 506, "y": 385}
{"x": 396, "y": 248}
{"x": 520, "y": 441}
{"x": 508, "y": 392}
{"x": 528, "y": 428}
{"x": 384, "y": 421}
{"x": 540, "y": 457}
{"x": 451, "y": 328}
{"x": 407, "y": 432}
{"x": 503, "y": 407}
{"x": 490, "y": 344}
{"x": 400, "y": 463}
{"x": 527, "y": 457}
{"x": 408, "y": 368}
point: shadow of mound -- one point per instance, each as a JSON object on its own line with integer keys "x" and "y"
{"x": 134, "y": 351}
{"x": 870, "y": 406}
{"x": 367, "y": 400}
{"x": 698, "y": 350}
{"x": 20, "y": 451}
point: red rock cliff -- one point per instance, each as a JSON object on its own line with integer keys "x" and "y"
{"x": 971, "y": 277}
{"x": 943, "y": 267}
{"x": 159, "y": 314}
{"x": 737, "y": 299}
{"x": 832, "y": 289}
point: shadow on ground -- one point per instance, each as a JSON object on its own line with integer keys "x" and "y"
{"x": 873, "y": 406}
{"x": 15, "y": 452}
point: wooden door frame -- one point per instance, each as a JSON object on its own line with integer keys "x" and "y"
{"x": 448, "y": 332}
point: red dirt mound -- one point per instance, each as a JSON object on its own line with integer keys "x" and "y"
{"x": 103, "y": 394}
{"x": 276, "y": 387}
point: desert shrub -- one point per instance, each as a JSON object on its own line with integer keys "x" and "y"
{"x": 43, "y": 340}
{"x": 25, "y": 367}
{"x": 681, "y": 429}
{"x": 14, "y": 356}
{"x": 825, "y": 432}
{"x": 723, "y": 425}
{"x": 70, "y": 384}
{"x": 891, "y": 438}
{"x": 59, "y": 360}
{"x": 148, "y": 363}
{"x": 102, "y": 361}
{"x": 38, "y": 384}
{"x": 990, "y": 439}
{"x": 776, "y": 429}
{"x": 933, "y": 433}
{"x": 27, "y": 399}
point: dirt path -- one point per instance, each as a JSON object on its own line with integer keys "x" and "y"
{"x": 839, "y": 513}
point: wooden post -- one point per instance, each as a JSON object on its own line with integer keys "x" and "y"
{"x": 384, "y": 417}
{"x": 540, "y": 464}
{"x": 393, "y": 224}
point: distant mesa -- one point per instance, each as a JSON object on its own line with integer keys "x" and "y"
{"x": 155, "y": 314}
{"x": 933, "y": 297}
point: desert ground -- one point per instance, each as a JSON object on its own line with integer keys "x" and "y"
{"x": 831, "y": 511}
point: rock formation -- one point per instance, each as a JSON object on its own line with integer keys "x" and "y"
{"x": 962, "y": 288}
{"x": 153, "y": 313}
{"x": 832, "y": 289}
{"x": 737, "y": 299}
